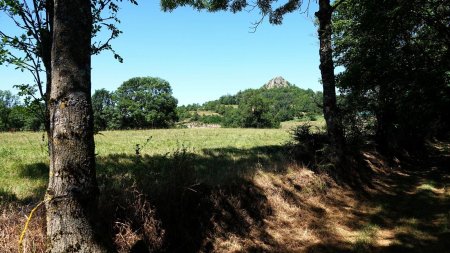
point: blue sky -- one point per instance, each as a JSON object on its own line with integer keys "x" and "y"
{"x": 203, "y": 55}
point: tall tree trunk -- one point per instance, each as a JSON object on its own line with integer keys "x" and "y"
{"x": 330, "y": 109}
{"x": 72, "y": 191}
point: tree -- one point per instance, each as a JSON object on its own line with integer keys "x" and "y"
{"x": 396, "y": 58}
{"x": 255, "y": 113}
{"x": 7, "y": 102}
{"x": 106, "y": 114}
{"x": 55, "y": 33}
{"x": 17, "y": 116}
{"x": 30, "y": 50}
{"x": 71, "y": 196}
{"x": 146, "y": 102}
{"x": 276, "y": 14}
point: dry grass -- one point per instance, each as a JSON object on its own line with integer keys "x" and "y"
{"x": 12, "y": 219}
{"x": 204, "y": 113}
{"x": 251, "y": 197}
{"x": 317, "y": 124}
{"x": 134, "y": 222}
{"x": 301, "y": 214}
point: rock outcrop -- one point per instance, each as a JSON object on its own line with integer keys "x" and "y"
{"x": 277, "y": 82}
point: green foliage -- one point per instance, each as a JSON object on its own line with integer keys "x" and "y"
{"x": 7, "y": 101}
{"x": 14, "y": 116}
{"x": 28, "y": 48}
{"x": 255, "y": 113}
{"x": 139, "y": 103}
{"x": 106, "y": 114}
{"x": 146, "y": 102}
{"x": 211, "y": 119}
{"x": 257, "y": 108}
{"x": 183, "y": 113}
{"x": 275, "y": 12}
{"x": 396, "y": 60}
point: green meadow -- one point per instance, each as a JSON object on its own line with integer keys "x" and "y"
{"x": 24, "y": 158}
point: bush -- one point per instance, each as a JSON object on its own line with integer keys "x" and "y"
{"x": 211, "y": 119}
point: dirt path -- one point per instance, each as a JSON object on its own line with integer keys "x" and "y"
{"x": 408, "y": 208}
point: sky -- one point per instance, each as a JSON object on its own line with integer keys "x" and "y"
{"x": 202, "y": 55}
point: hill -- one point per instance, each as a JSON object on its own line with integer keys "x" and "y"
{"x": 276, "y": 101}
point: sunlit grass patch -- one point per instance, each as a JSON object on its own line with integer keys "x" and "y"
{"x": 410, "y": 222}
{"x": 429, "y": 185}
{"x": 366, "y": 238}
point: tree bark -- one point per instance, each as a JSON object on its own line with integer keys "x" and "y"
{"x": 330, "y": 109}
{"x": 72, "y": 191}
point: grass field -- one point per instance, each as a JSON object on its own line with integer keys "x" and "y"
{"x": 173, "y": 166}
{"x": 24, "y": 158}
{"x": 233, "y": 190}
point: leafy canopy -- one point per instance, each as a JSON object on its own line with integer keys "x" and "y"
{"x": 146, "y": 102}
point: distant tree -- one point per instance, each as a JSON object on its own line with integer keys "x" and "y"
{"x": 211, "y": 119}
{"x": 17, "y": 118}
{"x": 183, "y": 113}
{"x": 255, "y": 113}
{"x": 228, "y": 100}
{"x": 232, "y": 118}
{"x": 106, "y": 113}
{"x": 211, "y": 105}
{"x": 284, "y": 103}
{"x": 7, "y": 102}
{"x": 146, "y": 102}
{"x": 195, "y": 116}
{"x": 281, "y": 104}
{"x": 193, "y": 107}
{"x": 23, "y": 117}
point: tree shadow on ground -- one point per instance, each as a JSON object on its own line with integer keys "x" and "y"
{"x": 184, "y": 201}
{"x": 33, "y": 171}
{"x": 7, "y": 197}
{"x": 194, "y": 194}
{"x": 407, "y": 208}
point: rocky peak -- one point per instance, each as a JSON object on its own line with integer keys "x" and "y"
{"x": 277, "y": 82}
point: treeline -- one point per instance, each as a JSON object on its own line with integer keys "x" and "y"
{"x": 139, "y": 103}
{"x": 16, "y": 115}
{"x": 257, "y": 108}
{"x": 147, "y": 102}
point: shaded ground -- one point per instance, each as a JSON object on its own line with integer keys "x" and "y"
{"x": 409, "y": 209}
{"x": 259, "y": 200}
{"x": 405, "y": 208}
